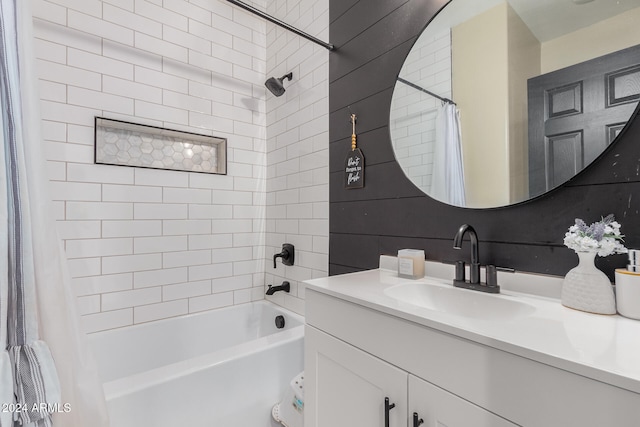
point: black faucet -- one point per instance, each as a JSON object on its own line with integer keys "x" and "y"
{"x": 286, "y": 286}
{"x": 474, "y": 269}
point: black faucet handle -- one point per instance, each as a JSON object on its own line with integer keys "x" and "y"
{"x": 276, "y": 256}
{"x": 287, "y": 255}
{"x": 492, "y": 276}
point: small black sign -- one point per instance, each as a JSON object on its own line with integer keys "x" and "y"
{"x": 354, "y": 169}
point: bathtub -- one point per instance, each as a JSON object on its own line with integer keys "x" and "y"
{"x": 225, "y": 367}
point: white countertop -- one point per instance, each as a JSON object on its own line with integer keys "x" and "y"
{"x": 604, "y": 348}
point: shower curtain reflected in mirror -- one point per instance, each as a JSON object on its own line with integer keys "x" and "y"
{"x": 447, "y": 181}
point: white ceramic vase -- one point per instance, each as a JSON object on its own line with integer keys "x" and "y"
{"x": 587, "y": 288}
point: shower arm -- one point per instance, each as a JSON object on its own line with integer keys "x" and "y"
{"x": 284, "y": 25}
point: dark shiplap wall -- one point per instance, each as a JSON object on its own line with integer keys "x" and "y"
{"x": 373, "y": 37}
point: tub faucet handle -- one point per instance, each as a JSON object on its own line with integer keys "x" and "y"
{"x": 287, "y": 255}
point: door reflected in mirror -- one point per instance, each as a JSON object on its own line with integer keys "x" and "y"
{"x": 500, "y": 101}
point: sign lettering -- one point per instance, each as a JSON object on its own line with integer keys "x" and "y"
{"x": 354, "y": 169}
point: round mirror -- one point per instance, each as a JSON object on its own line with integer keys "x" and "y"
{"x": 500, "y": 101}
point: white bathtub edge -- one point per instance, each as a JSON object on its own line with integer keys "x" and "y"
{"x": 124, "y": 386}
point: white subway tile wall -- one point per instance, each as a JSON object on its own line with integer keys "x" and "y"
{"x": 297, "y": 181}
{"x": 149, "y": 244}
{"x": 414, "y": 113}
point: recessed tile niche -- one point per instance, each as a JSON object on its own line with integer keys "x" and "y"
{"x": 129, "y": 144}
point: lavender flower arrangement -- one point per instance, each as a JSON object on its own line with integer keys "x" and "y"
{"x": 602, "y": 237}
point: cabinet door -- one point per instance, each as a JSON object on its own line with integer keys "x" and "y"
{"x": 346, "y": 387}
{"x": 439, "y": 408}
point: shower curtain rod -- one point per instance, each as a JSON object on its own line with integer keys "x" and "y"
{"x": 284, "y": 25}
{"x": 415, "y": 86}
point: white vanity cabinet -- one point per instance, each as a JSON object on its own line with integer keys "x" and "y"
{"x": 357, "y": 353}
{"x": 348, "y": 387}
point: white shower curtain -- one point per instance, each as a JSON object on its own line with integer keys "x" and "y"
{"x": 447, "y": 181}
{"x": 44, "y": 358}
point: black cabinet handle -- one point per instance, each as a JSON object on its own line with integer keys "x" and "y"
{"x": 417, "y": 421}
{"x": 387, "y": 407}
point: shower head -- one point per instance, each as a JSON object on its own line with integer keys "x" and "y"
{"x": 275, "y": 86}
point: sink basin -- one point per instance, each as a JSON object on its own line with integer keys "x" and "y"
{"x": 461, "y": 302}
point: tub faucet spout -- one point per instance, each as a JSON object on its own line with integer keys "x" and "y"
{"x": 286, "y": 286}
